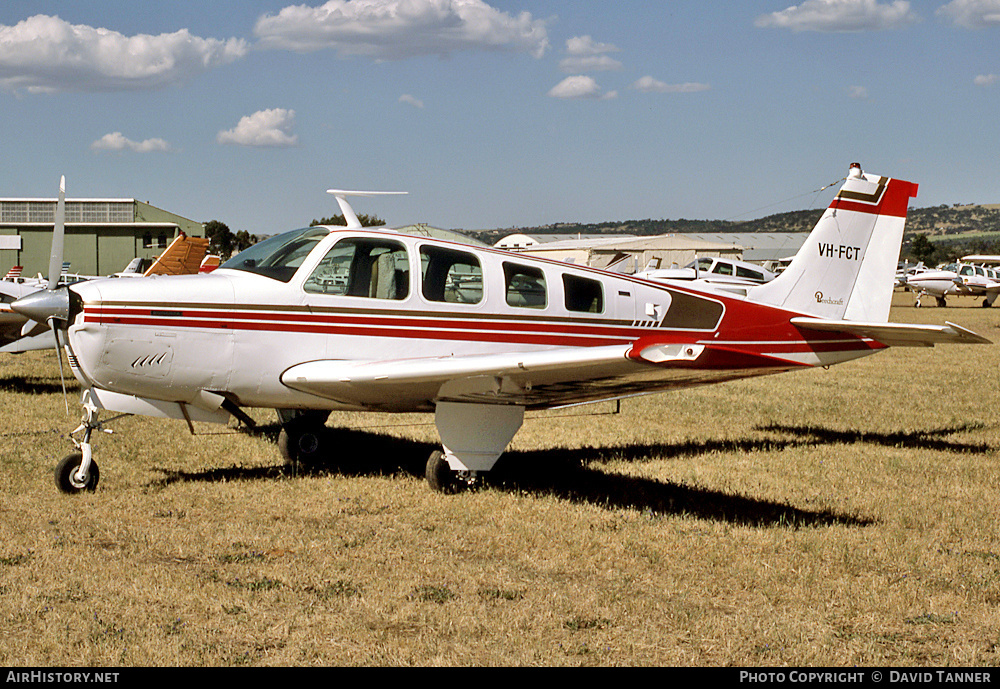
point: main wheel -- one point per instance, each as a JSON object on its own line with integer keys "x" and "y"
{"x": 300, "y": 442}
{"x": 66, "y": 475}
{"x": 440, "y": 477}
{"x": 941, "y": 302}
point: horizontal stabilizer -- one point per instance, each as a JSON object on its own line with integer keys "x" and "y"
{"x": 897, "y": 334}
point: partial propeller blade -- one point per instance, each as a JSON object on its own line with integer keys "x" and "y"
{"x": 58, "y": 237}
{"x": 32, "y": 328}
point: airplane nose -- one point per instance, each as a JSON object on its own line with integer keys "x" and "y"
{"x": 45, "y": 304}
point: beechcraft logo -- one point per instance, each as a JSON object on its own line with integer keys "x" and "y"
{"x": 834, "y": 302}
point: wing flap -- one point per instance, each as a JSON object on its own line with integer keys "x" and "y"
{"x": 897, "y": 334}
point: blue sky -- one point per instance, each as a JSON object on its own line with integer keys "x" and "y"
{"x": 497, "y": 113}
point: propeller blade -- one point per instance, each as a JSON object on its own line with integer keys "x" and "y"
{"x": 62, "y": 376}
{"x": 58, "y": 237}
{"x": 32, "y": 328}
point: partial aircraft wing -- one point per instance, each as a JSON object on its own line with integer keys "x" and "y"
{"x": 553, "y": 377}
{"x": 896, "y": 334}
{"x": 499, "y": 378}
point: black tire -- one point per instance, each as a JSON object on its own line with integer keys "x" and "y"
{"x": 440, "y": 476}
{"x": 301, "y": 442}
{"x": 66, "y": 479}
{"x": 941, "y": 302}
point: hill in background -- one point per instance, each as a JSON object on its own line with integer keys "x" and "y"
{"x": 954, "y": 230}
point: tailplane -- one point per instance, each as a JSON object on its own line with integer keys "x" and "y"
{"x": 846, "y": 268}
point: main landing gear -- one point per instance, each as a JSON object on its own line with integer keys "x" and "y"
{"x": 301, "y": 440}
{"x": 473, "y": 438}
{"x": 941, "y": 302}
{"x": 301, "y": 436}
{"x": 443, "y": 479}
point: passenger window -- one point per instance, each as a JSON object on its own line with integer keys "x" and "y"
{"x": 723, "y": 269}
{"x": 525, "y": 286}
{"x": 742, "y": 272}
{"x": 450, "y": 276}
{"x": 583, "y": 295}
{"x": 374, "y": 268}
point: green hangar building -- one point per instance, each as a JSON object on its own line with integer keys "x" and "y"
{"x": 102, "y": 235}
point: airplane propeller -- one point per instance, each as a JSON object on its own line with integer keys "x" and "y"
{"x": 51, "y": 304}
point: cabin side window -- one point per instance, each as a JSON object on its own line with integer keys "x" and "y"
{"x": 723, "y": 269}
{"x": 749, "y": 274}
{"x": 363, "y": 267}
{"x": 525, "y": 286}
{"x": 583, "y": 295}
{"x": 450, "y": 276}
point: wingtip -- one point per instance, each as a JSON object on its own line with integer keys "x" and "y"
{"x": 968, "y": 335}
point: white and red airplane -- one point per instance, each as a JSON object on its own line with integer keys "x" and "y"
{"x": 956, "y": 279}
{"x": 335, "y": 318}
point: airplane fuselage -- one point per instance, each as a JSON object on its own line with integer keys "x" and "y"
{"x": 241, "y": 334}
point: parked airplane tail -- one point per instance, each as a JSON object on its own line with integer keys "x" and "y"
{"x": 846, "y": 268}
{"x": 182, "y": 257}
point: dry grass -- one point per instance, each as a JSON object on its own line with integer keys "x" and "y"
{"x": 841, "y": 517}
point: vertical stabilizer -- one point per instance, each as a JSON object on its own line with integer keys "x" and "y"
{"x": 846, "y": 269}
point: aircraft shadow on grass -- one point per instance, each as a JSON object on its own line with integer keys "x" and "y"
{"x": 569, "y": 473}
{"x": 935, "y": 439}
{"x": 37, "y": 386}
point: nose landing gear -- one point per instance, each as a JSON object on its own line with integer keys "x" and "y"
{"x": 78, "y": 472}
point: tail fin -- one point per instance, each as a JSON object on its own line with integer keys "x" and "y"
{"x": 182, "y": 257}
{"x": 847, "y": 267}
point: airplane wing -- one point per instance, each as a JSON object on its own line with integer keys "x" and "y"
{"x": 897, "y": 334}
{"x": 30, "y": 342}
{"x": 556, "y": 375}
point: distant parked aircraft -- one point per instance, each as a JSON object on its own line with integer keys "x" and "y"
{"x": 720, "y": 273}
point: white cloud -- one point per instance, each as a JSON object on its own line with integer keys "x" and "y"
{"x": 410, "y": 100}
{"x": 590, "y": 63}
{"x": 972, "y": 14}
{"x": 857, "y": 92}
{"x": 840, "y": 15}
{"x": 265, "y": 128}
{"x": 47, "y": 54}
{"x": 585, "y": 45}
{"x": 587, "y": 55}
{"x": 580, "y": 87}
{"x": 397, "y": 29}
{"x": 651, "y": 85}
{"x": 986, "y": 79}
{"x": 118, "y": 142}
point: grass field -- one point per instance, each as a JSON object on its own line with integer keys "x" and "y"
{"x": 829, "y": 517}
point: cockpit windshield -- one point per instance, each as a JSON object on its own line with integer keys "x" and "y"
{"x": 701, "y": 264}
{"x": 279, "y": 256}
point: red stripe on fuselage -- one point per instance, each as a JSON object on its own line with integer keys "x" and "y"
{"x": 459, "y": 329}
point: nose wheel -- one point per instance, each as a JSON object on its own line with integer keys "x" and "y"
{"x": 78, "y": 472}
{"x": 70, "y": 478}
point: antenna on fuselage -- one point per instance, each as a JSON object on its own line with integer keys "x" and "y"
{"x": 349, "y": 215}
